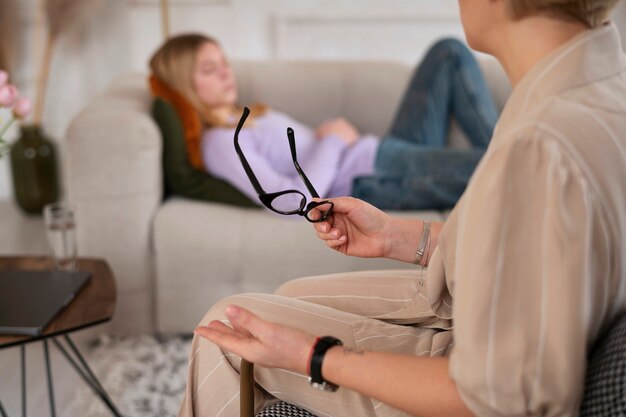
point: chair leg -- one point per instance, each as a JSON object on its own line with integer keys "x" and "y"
{"x": 2, "y": 412}
{"x": 246, "y": 395}
{"x": 49, "y": 375}
{"x": 23, "y": 371}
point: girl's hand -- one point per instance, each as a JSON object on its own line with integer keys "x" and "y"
{"x": 263, "y": 343}
{"x": 339, "y": 127}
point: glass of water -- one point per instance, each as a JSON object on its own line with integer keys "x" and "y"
{"x": 61, "y": 231}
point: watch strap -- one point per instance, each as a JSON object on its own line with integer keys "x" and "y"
{"x": 317, "y": 358}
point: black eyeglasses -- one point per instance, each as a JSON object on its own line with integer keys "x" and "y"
{"x": 286, "y": 202}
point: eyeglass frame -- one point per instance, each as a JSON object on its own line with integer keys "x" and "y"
{"x": 267, "y": 198}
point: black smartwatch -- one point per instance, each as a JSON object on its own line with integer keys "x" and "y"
{"x": 317, "y": 357}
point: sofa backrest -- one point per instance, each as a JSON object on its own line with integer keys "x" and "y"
{"x": 367, "y": 93}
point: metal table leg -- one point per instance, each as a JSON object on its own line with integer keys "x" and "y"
{"x": 79, "y": 364}
{"x": 49, "y": 374}
{"x": 2, "y": 412}
{"x": 86, "y": 373}
{"x": 23, "y": 366}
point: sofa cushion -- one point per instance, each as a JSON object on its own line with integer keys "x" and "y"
{"x": 179, "y": 177}
{"x": 207, "y": 251}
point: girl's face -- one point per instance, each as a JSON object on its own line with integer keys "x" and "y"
{"x": 213, "y": 78}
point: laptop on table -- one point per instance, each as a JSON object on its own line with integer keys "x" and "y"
{"x": 30, "y": 300}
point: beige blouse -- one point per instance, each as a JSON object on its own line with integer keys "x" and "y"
{"x": 530, "y": 264}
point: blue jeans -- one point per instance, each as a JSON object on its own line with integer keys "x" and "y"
{"x": 414, "y": 169}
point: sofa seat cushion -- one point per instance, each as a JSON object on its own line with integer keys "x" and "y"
{"x": 207, "y": 251}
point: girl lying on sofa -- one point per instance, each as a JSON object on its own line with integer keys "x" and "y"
{"x": 409, "y": 168}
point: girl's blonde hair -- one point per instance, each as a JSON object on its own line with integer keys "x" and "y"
{"x": 592, "y": 13}
{"x": 174, "y": 64}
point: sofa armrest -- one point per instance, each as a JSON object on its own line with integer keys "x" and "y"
{"x": 114, "y": 179}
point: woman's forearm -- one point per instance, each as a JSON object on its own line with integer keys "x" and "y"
{"x": 404, "y": 238}
{"x": 417, "y": 385}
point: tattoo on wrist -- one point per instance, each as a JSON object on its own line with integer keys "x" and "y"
{"x": 348, "y": 351}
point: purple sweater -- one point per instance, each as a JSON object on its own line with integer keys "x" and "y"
{"x": 328, "y": 162}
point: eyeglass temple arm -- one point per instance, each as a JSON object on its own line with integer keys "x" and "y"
{"x": 242, "y": 158}
{"x": 292, "y": 145}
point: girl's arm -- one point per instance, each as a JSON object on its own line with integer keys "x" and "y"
{"x": 321, "y": 164}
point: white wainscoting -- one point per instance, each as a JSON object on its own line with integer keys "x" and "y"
{"x": 398, "y": 37}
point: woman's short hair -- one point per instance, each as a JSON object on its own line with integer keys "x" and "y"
{"x": 592, "y": 13}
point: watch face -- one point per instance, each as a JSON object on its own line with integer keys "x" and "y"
{"x": 324, "y": 386}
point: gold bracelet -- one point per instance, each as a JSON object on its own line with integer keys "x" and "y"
{"x": 419, "y": 255}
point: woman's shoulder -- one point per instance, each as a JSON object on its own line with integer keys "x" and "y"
{"x": 574, "y": 142}
{"x": 582, "y": 129}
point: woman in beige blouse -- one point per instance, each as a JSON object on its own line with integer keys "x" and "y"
{"x": 525, "y": 274}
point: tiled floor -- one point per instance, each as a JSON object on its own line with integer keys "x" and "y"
{"x": 21, "y": 234}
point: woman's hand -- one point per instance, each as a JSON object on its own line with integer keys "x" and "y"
{"x": 266, "y": 344}
{"x": 355, "y": 228}
{"x": 391, "y": 378}
{"x": 339, "y": 127}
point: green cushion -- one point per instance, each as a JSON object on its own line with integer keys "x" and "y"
{"x": 180, "y": 178}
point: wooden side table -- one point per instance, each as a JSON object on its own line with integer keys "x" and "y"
{"x": 93, "y": 305}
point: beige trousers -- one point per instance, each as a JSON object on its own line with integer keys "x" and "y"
{"x": 376, "y": 310}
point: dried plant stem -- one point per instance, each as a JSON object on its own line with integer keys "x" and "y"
{"x": 42, "y": 79}
{"x": 165, "y": 18}
{"x": 8, "y": 28}
{"x": 40, "y": 31}
{"x": 61, "y": 15}
{"x": 6, "y": 127}
{"x": 40, "y": 35}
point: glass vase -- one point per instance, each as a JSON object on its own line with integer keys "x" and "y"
{"x": 34, "y": 169}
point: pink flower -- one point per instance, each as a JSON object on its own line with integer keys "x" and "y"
{"x": 8, "y": 95}
{"x": 22, "y": 107}
{"x": 4, "y": 78}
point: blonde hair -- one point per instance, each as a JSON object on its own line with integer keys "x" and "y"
{"x": 592, "y": 13}
{"x": 174, "y": 64}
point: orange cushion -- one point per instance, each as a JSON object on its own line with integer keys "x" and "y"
{"x": 192, "y": 126}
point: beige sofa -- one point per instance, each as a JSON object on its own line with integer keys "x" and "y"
{"x": 173, "y": 259}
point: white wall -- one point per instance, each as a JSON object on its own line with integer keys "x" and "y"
{"x": 121, "y": 36}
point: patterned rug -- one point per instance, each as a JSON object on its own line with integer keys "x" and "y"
{"x": 144, "y": 377}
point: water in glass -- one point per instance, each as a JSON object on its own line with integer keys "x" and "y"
{"x": 61, "y": 231}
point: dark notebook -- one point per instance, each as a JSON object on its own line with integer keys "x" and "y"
{"x": 29, "y": 300}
